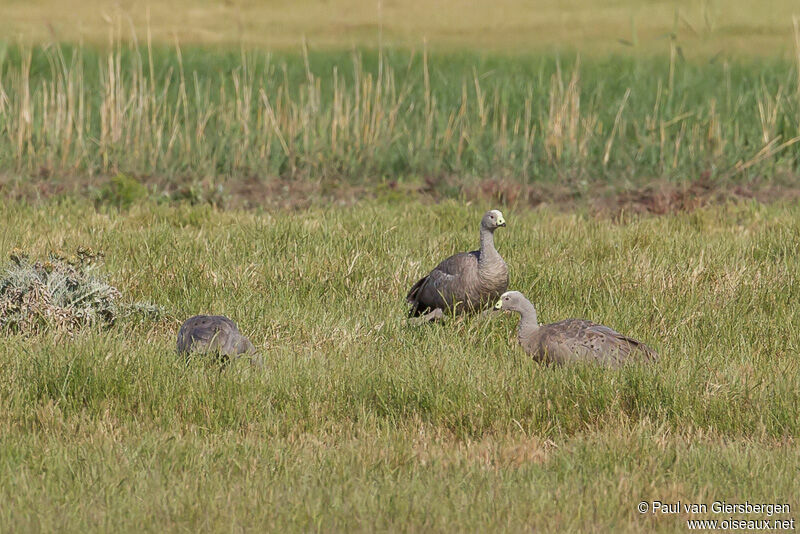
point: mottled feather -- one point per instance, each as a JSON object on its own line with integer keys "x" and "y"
{"x": 571, "y": 340}
{"x": 581, "y": 340}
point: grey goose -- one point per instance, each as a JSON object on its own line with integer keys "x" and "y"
{"x": 571, "y": 340}
{"x": 466, "y": 282}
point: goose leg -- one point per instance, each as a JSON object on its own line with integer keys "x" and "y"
{"x": 434, "y": 315}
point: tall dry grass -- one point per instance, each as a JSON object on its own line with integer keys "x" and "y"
{"x": 147, "y": 110}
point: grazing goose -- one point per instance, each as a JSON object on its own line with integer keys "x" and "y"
{"x": 215, "y": 334}
{"x": 571, "y": 340}
{"x": 464, "y": 282}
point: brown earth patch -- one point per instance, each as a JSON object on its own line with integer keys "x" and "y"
{"x": 657, "y": 196}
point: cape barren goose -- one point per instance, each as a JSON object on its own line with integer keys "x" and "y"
{"x": 571, "y": 340}
{"x": 466, "y": 282}
{"x": 215, "y": 334}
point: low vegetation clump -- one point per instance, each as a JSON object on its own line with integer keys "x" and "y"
{"x": 64, "y": 292}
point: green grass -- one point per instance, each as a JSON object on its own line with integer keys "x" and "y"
{"x": 361, "y": 422}
{"x": 365, "y": 117}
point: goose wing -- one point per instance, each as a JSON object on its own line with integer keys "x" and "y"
{"x": 447, "y": 284}
{"x": 582, "y": 340}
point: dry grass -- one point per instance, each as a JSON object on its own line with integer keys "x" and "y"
{"x": 148, "y": 110}
{"x": 703, "y": 28}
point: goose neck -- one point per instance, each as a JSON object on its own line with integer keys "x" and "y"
{"x": 528, "y": 322}
{"x": 488, "y": 252}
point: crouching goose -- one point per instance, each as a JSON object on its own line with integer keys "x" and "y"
{"x": 571, "y": 340}
{"x": 215, "y": 334}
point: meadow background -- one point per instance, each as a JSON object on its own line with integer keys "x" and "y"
{"x": 298, "y": 165}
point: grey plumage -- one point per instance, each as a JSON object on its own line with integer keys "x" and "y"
{"x": 571, "y": 340}
{"x": 214, "y": 334}
{"x": 465, "y": 282}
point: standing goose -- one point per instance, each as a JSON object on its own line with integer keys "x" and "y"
{"x": 571, "y": 340}
{"x": 464, "y": 282}
{"x": 215, "y": 334}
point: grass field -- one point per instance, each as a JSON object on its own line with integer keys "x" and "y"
{"x": 298, "y": 165}
{"x": 360, "y": 421}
